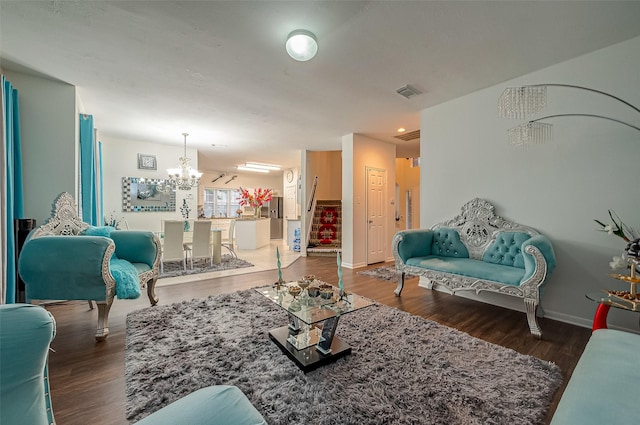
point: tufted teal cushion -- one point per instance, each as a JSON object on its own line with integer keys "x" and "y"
{"x": 506, "y": 250}
{"x": 446, "y": 243}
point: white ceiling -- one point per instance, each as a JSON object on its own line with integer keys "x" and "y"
{"x": 151, "y": 70}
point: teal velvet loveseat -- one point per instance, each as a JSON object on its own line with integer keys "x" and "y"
{"x": 67, "y": 259}
{"x": 478, "y": 251}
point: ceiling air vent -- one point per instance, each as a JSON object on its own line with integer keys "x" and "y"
{"x": 408, "y": 91}
{"x": 412, "y": 135}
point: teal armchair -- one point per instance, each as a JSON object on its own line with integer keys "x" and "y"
{"x": 67, "y": 259}
{"x": 26, "y": 332}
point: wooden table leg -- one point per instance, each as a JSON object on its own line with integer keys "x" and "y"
{"x": 600, "y": 318}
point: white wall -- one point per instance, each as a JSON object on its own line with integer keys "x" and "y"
{"x": 120, "y": 159}
{"x": 49, "y": 131}
{"x": 358, "y": 153}
{"x": 558, "y": 188}
{"x": 272, "y": 180}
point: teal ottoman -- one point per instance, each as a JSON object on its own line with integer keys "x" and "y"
{"x": 216, "y": 405}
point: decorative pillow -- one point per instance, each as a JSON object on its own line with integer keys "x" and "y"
{"x": 99, "y": 231}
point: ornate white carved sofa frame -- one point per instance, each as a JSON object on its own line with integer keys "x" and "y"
{"x": 56, "y": 263}
{"x": 478, "y": 251}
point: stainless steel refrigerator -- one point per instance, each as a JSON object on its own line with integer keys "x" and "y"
{"x": 274, "y": 212}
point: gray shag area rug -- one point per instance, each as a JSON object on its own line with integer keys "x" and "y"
{"x": 385, "y": 273}
{"x": 403, "y": 369}
{"x": 176, "y": 268}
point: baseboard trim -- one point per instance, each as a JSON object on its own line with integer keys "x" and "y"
{"x": 352, "y": 265}
{"x": 549, "y": 314}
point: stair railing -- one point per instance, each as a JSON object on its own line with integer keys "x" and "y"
{"x": 311, "y": 209}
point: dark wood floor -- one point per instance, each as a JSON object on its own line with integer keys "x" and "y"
{"x": 87, "y": 378}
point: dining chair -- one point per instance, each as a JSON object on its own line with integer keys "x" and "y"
{"x": 229, "y": 241}
{"x": 201, "y": 247}
{"x": 173, "y": 246}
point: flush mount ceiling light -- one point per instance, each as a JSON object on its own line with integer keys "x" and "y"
{"x": 301, "y": 45}
{"x": 255, "y": 170}
{"x": 257, "y": 167}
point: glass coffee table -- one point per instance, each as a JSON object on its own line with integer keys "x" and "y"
{"x": 309, "y": 339}
{"x": 606, "y": 300}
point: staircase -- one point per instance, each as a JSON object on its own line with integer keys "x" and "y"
{"x": 325, "y": 238}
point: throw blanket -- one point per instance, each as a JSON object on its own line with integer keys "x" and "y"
{"x": 125, "y": 273}
{"x": 126, "y": 276}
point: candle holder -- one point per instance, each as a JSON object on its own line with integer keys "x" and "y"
{"x": 279, "y": 284}
{"x": 280, "y": 281}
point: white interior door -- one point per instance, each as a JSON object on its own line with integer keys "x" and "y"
{"x": 376, "y": 214}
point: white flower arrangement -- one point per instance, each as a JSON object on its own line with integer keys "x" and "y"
{"x": 628, "y": 234}
{"x": 112, "y": 220}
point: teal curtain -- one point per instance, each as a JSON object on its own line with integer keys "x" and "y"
{"x": 89, "y": 190}
{"x": 100, "y": 186}
{"x": 13, "y": 187}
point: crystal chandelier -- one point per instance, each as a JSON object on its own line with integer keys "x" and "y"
{"x": 184, "y": 177}
{"x": 522, "y": 102}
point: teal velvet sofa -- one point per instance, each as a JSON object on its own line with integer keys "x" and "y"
{"x": 604, "y": 383}
{"x": 67, "y": 259}
{"x": 26, "y": 333}
{"x": 478, "y": 251}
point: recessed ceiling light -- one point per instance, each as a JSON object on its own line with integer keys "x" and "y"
{"x": 402, "y": 130}
{"x": 301, "y": 45}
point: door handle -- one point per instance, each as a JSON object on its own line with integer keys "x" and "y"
{"x": 370, "y": 221}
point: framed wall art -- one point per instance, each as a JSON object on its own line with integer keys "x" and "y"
{"x": 147, "y": 162}
{"x": 147, "y": 195}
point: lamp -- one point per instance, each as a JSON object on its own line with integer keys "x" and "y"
{"x": 184, "y": 177}
{"x": 301, "y": 45}
{"x": 521, "y": 102}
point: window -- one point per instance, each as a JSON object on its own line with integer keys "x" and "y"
{"x": 221, "y": 202}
